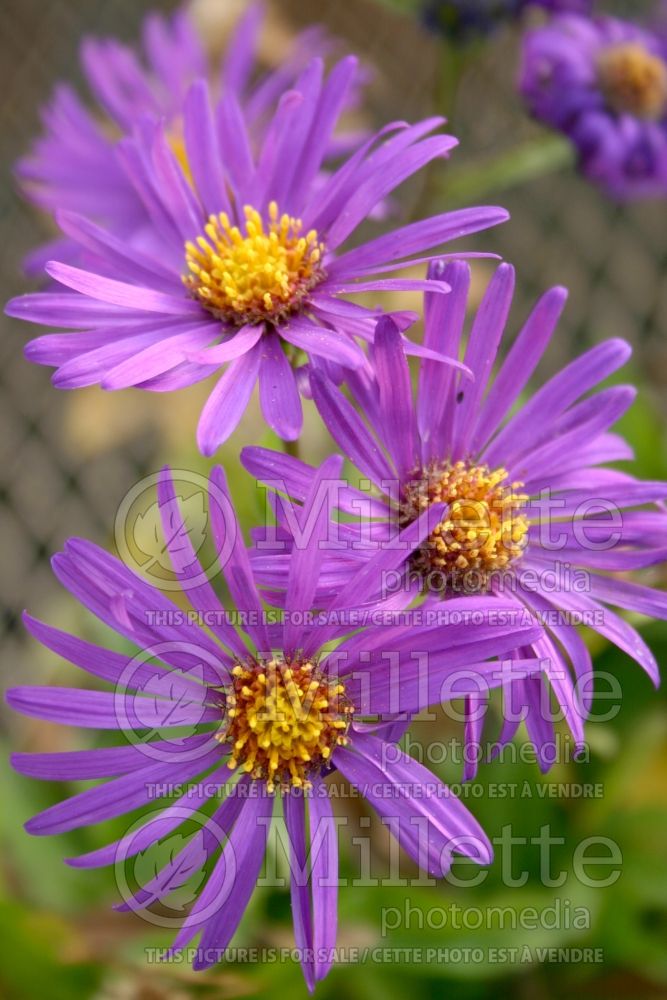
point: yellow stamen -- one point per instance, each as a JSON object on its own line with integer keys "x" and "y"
{"x": 284, "y": 720}
{"x": 634, "y": 80}
{"x": 177, "y": 145}
{"x": 262, "y": 274}
{"x": 483, "y": 531}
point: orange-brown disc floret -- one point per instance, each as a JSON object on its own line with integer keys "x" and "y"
{"x": 285, "y": 718}
{"x": 483, "y": 531}
{"x": 634, "y": 80}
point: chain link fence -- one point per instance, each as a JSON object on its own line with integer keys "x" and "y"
{"x": 68, "y": 458}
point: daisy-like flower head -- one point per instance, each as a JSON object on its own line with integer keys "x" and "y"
{"x": 72, "y": 166}
{"x": 235, "y": 712}
{"x": 243, "y": 262}
{"x": 532, "y": 512}
{"x": 603, "y": 82}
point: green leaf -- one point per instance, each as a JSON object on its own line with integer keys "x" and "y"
{"x": 526, "y": 162}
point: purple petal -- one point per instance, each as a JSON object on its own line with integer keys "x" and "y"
{"x": 159, "y": 358}
{"x": 175, "y": 191}
{"x": 130, "y": 264}
{"x": 107, "y": 710}
{"x": 290, "y": 475}
{"x": 63, "y": 309}
{"x": 350, "y": 433}
{"x": 382, "y": 182}
{"x": 580, "y": 423}
{"x": 111, "y": 666}
{"x": 430, "y": 823}
{"x": 243, "y": 854}
{"x": 418, "y": 236}
{"x": 228, "y": 401}
{"x": 187, "y": 566}
{"x": 389, "y": 285}
{"x": 393, "y": 377}
{"x": 278, "y": 393}
{"x": 170, "y": 818}
{"x": 307, "y": 557}
{"x": 333, "y": 97}
{"x": 519, "y": 365}
{"x": 476, "y": 707}
{"x": 294, "y": 807}
{"x": 325, "y": 343}
{"x": 240, "y": 53}
{"x": 116, "y": 797}
{"x": 106, "y": 762}
{"x": 203, "y": 150}
{"x": 194, "y": 855}
{"x": 235, "y": 145}
{"x": 122, "y": 600}
{"x": 120, "y": 293}
{"x": 324, "y": 878}
{"x": 238, "y": 574}
{"x": 444, "y": 319}
{"x": 612, "y": 627}
{"x": 238, "y": 343}
{"x": 537, "y": 416}
{"x": 485, "y": 335}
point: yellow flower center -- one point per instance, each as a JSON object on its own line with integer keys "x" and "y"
{"x": 264, "y": 273}
{"x": 285, "y": 719}
{"x": 483, "y": 531}
{"x": 634, "y": 80}
{"x": 177, "y": 146}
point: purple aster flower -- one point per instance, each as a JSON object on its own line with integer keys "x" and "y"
{"x": 245, "y": 264}
{"x": 603, "y": 83}
{"x": 72, "y": 166}
{"x": 268, "y": 715}
{"x": 532, "y": 511}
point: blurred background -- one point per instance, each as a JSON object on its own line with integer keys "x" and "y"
{"x": 67, "y": 461}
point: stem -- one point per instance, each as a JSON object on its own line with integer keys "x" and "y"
{"x": 452, "y": 65}
{"x": 293, "y": 448}
{"x": 530, "y": 160}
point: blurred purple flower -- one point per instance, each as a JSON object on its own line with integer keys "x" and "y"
{"x": 603, "y": 83}
{"x": 245, "y": 254}
{"x": 469, "y": 19}
{"x": 267, "y": 705}
{"x": 72, "y": 166}
{"x": 532, "y": 511}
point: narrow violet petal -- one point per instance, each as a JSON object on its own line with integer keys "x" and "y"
{"x": 116, "y": 797}
{"x": 487, "y": 330}
{"x": 228, "y": 401}
{"x": 307, "y": 557}
{"x": 350, "y": 433}
{"x": 120, "y": 293}
{"x": 245, "y": 849}
{"x": 278, "y": 393}
{"x": 294, "y": 808}
{"x": 324, "y": 877}
{"x": 319, "y": 340}
{"x": 393, "y": 377}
